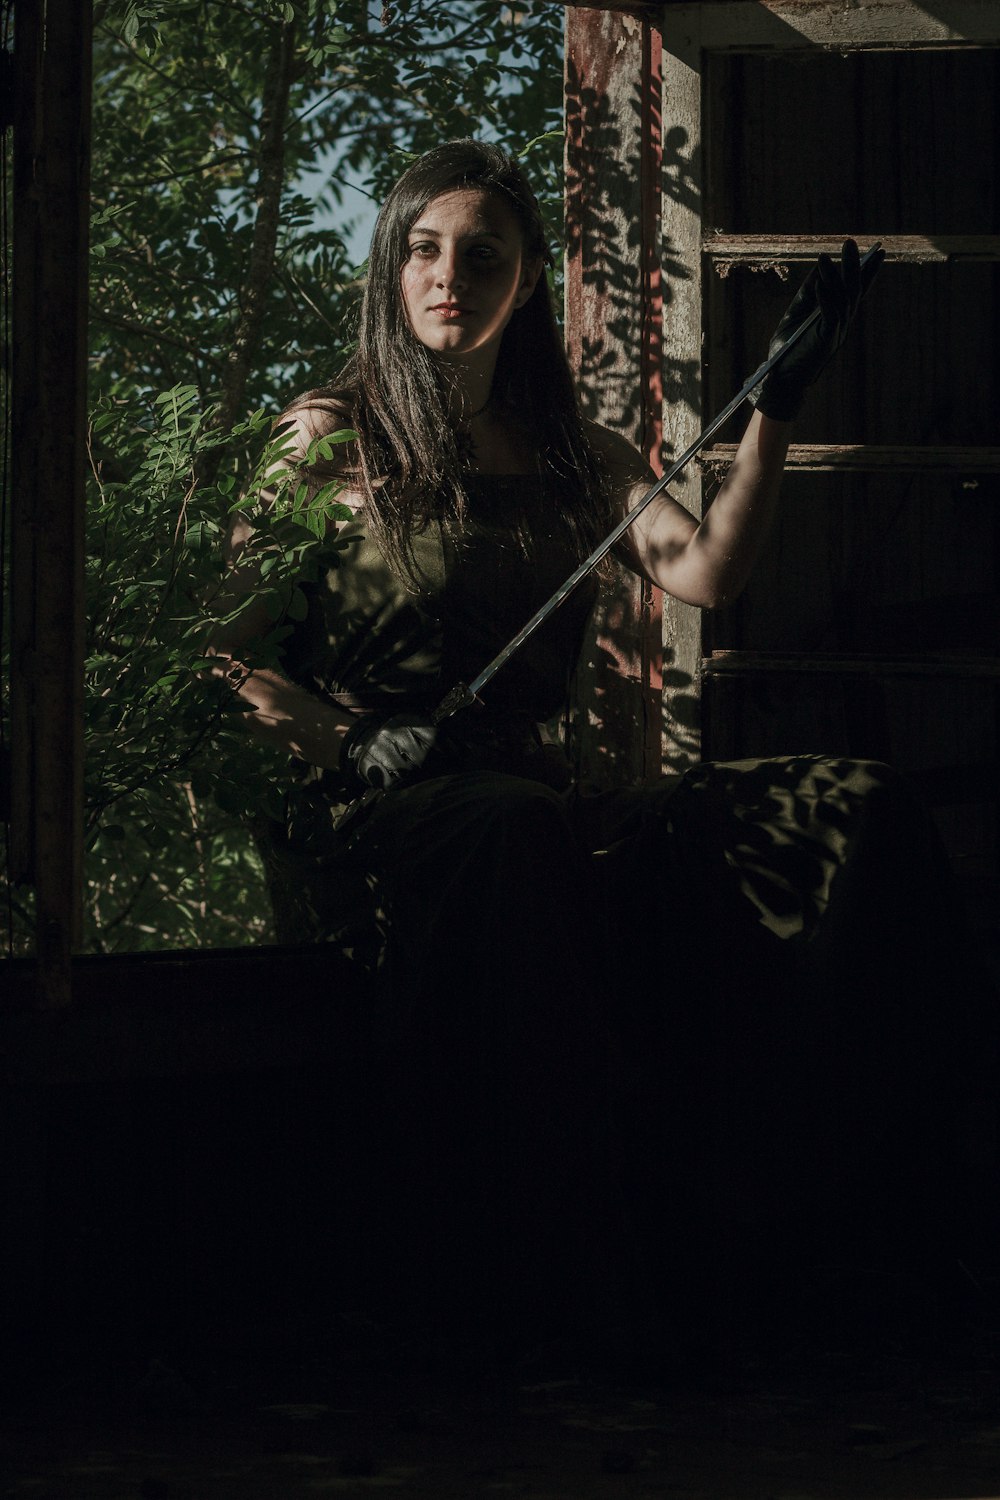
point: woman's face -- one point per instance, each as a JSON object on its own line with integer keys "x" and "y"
{"x": 465, "y": 274}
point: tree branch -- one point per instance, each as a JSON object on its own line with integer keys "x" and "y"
{"x": 156, "y": 335}
{"x": 260, "y": 267}
{"x": 291, "y": 281}
{"x": 176, "y": 89}
{"x": 192, "y": 171}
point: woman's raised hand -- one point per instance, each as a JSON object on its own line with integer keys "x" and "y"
{"x": 836, "y": 289}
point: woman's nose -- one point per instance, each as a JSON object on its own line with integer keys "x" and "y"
{"x": 451, "y": 272}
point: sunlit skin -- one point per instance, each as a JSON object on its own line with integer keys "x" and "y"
{"x": 465, "y": 275}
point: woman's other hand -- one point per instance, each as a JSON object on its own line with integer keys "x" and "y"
{"x": 836, "y": 289}
{"x": 380, "y": 755}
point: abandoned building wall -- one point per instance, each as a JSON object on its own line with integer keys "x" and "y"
{"x": 870, "y": 626}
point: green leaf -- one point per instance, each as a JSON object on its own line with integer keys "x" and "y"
{"x": 539, "y": 140}
{"x": 177, "y": 397}
{"x": 298, "y": 605}
{"x": 324, "y": 446}
{"x": 229, "y": 798}
{"x": 202, "y": 783}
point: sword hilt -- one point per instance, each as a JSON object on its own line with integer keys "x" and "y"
{"x": 458, "y": 698}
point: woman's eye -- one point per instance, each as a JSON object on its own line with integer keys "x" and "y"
{"x": 427, "y": 249}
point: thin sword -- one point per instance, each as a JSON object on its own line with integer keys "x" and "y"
{"x": 462, "y": 696}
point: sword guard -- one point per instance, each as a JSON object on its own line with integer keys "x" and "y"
{"x": 458, "y": 698}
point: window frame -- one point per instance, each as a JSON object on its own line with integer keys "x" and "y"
{"x": 693, "y": 32}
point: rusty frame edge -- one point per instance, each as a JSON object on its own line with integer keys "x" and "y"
{"x": 51, "y": 205}
{"x": 594, "y": 70}
{"x": 23, "y": 456}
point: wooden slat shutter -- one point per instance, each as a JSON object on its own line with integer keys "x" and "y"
{"x": 871, "y": 625}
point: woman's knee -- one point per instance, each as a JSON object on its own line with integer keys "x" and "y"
{"x": 526, "y": 823}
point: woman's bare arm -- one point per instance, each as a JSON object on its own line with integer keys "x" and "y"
{"x": 708, "y": 563}
{"x": 705, "y": 563}
{"x": 282, "y": 714}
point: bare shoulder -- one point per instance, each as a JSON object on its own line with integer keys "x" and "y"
{"x": 624, "y": 464}
{"x": 315, "y": 431}
{"x": 313, "y": 440}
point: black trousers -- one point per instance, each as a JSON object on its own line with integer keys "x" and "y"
{"x": 631, "y": 1042}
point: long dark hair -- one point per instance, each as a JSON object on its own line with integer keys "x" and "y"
{"x": 407, "y": 466}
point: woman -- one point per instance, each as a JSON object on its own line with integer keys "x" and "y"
{"x": 560, "y": 976}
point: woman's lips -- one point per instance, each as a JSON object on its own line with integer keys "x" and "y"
{"x": 450, "y": 311}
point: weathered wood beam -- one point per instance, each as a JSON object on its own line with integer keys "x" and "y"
{"x": 774, "y": 251}
{"x": 864, "y": 458}
{"x": 684, "y": 416}
{"x": 774, "y": 663}
{"x": 48, "y": 421}
{"x": 791, "y": 25}
{"x": 650, "y": 9}
{"x": 613, "y": 333}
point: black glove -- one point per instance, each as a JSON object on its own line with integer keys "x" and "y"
{"x": 836, "y": 290}
{"x": 382, "y": 754}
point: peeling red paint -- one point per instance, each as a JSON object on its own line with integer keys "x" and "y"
{"x": 614, "y": 312}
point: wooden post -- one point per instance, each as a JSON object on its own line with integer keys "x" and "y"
{"x": 50, "y": 211}
{"x": 684, "y": 416}
{"x": 614, "y": 332}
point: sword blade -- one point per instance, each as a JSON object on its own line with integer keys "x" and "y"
{"x": 461, "y": 695}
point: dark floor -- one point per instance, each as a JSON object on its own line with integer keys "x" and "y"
{"x": 885, "y": 1420}
{"x": 852, "y": 1399}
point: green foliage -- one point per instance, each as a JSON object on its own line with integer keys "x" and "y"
{"x": 178, "y": 129}
{"x": 172, "y": 775}
{"x": 227, "y": 136}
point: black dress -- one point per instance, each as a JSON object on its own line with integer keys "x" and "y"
{"x": 625, "y": 1037}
